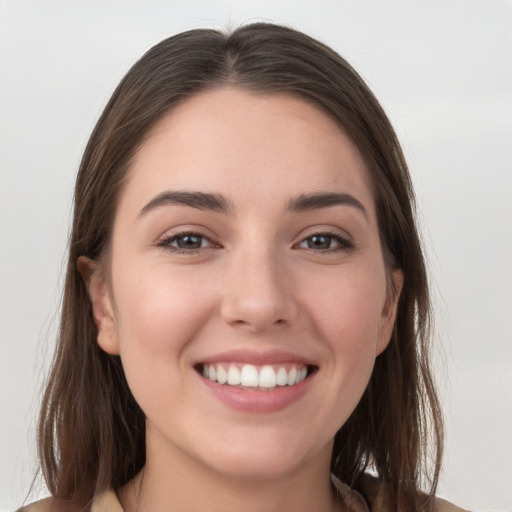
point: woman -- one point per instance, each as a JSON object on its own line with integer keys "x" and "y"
{"x": 245, "y": 318}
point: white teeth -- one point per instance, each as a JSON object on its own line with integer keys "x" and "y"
{"x": 267, "y": 377}
{"x": 292, "y": 375}
{"x": 281, "y": 377}
{"x": 222, "y": 376}
{"x": 252, "y": 376}
{"x": 249, "y": 376}
{"x": 233, "y": 376}
{"x": 301, "y": 375}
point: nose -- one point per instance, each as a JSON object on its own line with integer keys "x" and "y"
{"x": 258, "y": 293}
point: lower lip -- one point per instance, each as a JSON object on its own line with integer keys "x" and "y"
{"x": 258, "y": 401}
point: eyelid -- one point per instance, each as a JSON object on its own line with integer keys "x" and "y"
{"x": 344, "y": 242}
{"x": 168, "y": 238}
{"x": 185, "y": 228}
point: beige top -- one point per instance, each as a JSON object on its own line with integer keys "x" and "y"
{"x": 350, "y": 499}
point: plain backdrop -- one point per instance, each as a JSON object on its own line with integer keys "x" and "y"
{"x": 443, "y": 72}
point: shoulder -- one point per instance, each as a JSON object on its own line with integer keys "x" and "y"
{"x": 377, "y": 494}
{"x": 104, "y": 502}
{"x": 444, "y": 506}
{"x": 38, "y": 506}
{"x": 52, "y": 505}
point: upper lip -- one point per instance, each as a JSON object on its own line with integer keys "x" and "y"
{"x": 256, "y": 358}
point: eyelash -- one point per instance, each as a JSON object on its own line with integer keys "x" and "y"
{"x": 167, "y": 243}
{"x": 342, "y": 243}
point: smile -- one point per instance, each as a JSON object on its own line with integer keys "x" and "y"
{"x": 256, "y": 377}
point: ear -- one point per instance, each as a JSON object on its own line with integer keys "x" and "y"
{"x": 388, "y": 316}
{"x": 102, "y": 306}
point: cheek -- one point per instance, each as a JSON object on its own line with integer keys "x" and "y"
{"x": 157, "y": 308}
{"x": 348, "y": 315}
{"x": 346, "y": 309}
{"x": 349, "y": 307}
{"x": 158, "y": 313}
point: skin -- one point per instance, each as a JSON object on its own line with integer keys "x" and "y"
{"x": 259, "y": 282}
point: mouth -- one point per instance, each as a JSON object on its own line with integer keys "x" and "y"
{"x": 251, "y": 377}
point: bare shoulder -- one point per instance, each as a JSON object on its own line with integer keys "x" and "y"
{"x": 53, "y": 505}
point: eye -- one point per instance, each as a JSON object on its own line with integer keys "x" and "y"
{"x": 325, "y": 242}
{"x": 186, "y": 242}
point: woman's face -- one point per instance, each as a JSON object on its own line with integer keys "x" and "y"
{"x": 246, "y": 293}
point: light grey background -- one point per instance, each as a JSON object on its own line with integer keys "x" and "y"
{"x": 443, "y": 71}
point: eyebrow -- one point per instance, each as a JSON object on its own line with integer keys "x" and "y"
{"x": 317, "y": 200}
{"x": 218, "y": 203}
{"x": 199, "y": 200}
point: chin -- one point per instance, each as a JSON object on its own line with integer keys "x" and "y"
{"x": 262, "y": 457}
{"x": 257, "y": 469}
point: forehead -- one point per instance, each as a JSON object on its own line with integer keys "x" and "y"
{"x": 232, "y": 141}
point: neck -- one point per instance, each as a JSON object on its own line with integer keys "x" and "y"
{"x": 196, "y": 487}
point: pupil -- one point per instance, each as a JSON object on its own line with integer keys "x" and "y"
{"x": 319, "y": 242}
{"x": 189, "y": 242}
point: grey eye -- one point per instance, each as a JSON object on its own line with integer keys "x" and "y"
{"x": 186, "y": 242}
{"x": 325, "y": 242}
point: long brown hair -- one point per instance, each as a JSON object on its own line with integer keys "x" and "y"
{"x": 91, "y": 431}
